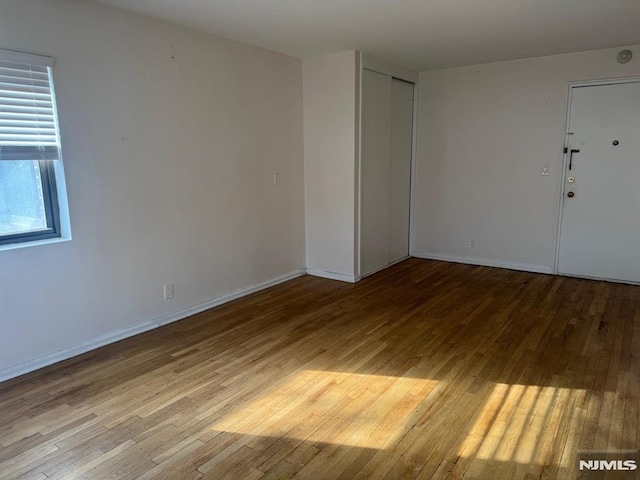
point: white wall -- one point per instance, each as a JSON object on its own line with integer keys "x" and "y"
{"x": 170, "y": 139}
{"x": 484, "y": 133}
{"x": 331, "y": 90}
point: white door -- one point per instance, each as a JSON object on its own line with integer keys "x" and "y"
{"x": 600, "y": 229}
{"x": 374, "y": 180}
{"x": 400, "y": 168}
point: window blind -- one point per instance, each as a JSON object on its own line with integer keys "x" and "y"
{"x": 27, "y": 119}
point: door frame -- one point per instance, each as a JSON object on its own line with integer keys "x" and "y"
{"x": 563, "y": 163}
{"x": 367, "y": 62}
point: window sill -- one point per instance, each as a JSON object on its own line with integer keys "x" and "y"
{"x": 34, "y": 243}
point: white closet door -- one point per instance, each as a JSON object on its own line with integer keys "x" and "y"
{"x": 400, "y": 168}
{"x": 374, "y": 180}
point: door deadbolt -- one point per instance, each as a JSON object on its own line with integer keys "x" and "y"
{"x": 571, "y": 194}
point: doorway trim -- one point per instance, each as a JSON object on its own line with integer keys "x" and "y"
{"x": 561, "y": 182}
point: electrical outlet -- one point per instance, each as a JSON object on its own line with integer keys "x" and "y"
{"x": 276, "y": 178}
{"x": 472, "y": 244}
{"x": 168, "y": 291}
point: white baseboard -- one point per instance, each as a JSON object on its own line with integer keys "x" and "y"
{"x": 525, "y": 267}
{"x": 55, "y": 357}
{"x": 385, "y": 266}
{"x": 332, "y": 275}
{"x": 599, "y": 279}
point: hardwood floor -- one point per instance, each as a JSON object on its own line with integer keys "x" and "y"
{"x": 425, "y": 370}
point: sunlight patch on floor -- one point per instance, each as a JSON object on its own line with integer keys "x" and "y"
{"x": 519, "y": 424}
{"x": 350, "y": 409}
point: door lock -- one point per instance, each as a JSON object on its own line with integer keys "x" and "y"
{"x": 571, "y": 152}
{"x": 571, "y": 194}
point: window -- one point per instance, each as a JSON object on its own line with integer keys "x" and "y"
{"x": 29, "y": 149}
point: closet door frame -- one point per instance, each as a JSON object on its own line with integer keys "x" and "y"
{"x": 371, "y": 63}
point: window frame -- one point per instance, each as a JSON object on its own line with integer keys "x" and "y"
{"x": 51, "y": 209}
{"x": 55, "y": 225}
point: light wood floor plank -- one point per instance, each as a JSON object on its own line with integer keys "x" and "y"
{"x": 427, "y": 370}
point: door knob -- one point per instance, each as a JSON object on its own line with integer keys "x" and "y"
{"x": 571, "y": 194}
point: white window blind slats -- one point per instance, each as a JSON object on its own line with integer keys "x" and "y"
{"x": 24, "y": 133}
{"x": 11, "y": 80}
{"x": 21, "y": 103}
{"x": 9, "y": 70}
{"x": 12, "y": 92}
{"x": 26, "y": 144}
{"x": 12, "y": 124}
{"x": 18, "y": 65}
{"x": 27, "y": 120}
{"x": 37, "y": 61}
{"x": 12, "y": 118}
{"x": 20, "y": 89}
